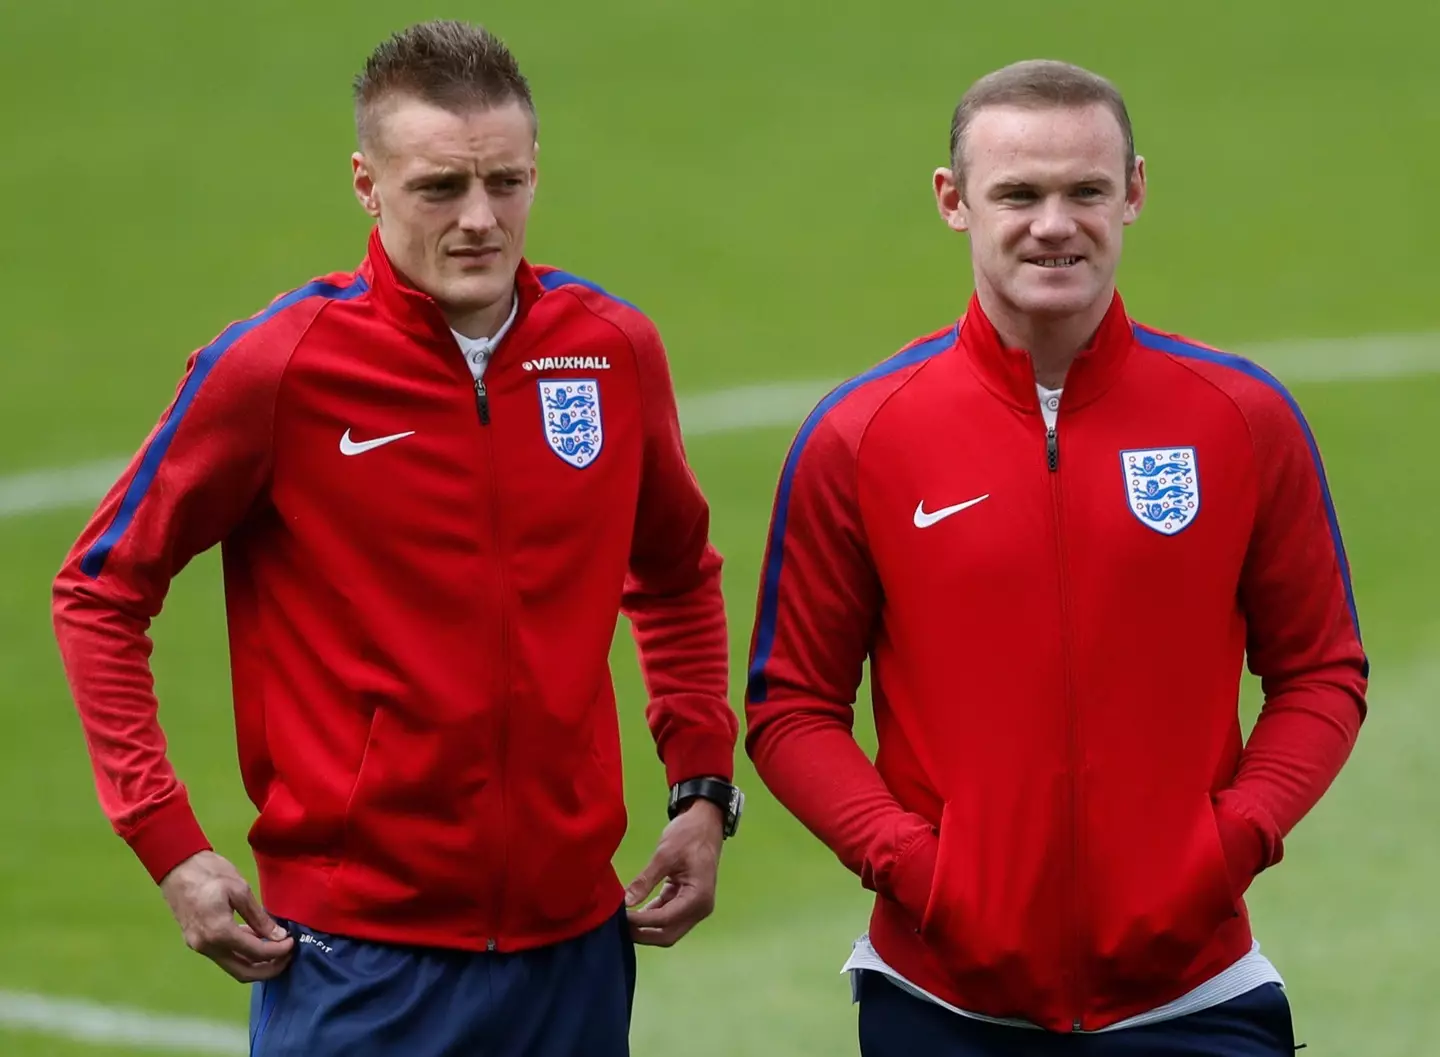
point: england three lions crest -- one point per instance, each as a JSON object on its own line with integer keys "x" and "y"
{"x": 570, "y": 409}
{"x": 1162, "y": 487}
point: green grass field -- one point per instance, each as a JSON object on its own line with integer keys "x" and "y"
{"x": 754, "y": 175}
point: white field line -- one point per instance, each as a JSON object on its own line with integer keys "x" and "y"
{"x": 91, "y": 1022}
{"x": 41, "y": 490}
{"x": 785, "y": 404}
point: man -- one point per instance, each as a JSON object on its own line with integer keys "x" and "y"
{"x": 436, "y": 481}
{"x": 1056, "y": 594}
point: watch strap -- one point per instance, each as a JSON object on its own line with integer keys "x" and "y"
{"x": 723, "y": 794}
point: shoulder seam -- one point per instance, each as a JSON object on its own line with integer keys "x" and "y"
{"x": 629, "y": 339}
{"x": 325, "y": 303}
{"x": 1180, "y": 360}
{"x": 905, "y": 382}
{"x": 919, "y": 367}
{"x": 773, "y": 563}
{"x": 570, "y": 279}
{"x": 879, "y": 372}
{"x": 93, "y": 562}
{"x": 1260, "y": 374}
{"x": 1183, "y": 363}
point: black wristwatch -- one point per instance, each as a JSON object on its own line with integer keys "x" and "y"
{"x": 716, "y": 790}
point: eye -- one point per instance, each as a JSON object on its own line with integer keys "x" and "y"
{"x": 438, "y": 189}
{"x": 1019, "y": 195}
{"x": 1089, "y": 191}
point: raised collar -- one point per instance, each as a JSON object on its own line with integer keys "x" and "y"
{"x": 417, "y": 313}
{"x": 1010, "y": 374}
{"x": 488, "y": 345}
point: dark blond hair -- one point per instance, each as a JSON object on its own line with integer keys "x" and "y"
{"x": 454, "y": 65}
{"x": 1037, "y": 84}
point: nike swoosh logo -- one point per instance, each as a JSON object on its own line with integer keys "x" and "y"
{"x": 359, "y": 447}
{"x": 924, "y": 520}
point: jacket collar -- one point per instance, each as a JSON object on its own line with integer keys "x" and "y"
{"x": 417, "y": 313}
{"x": 1010, "y": 375}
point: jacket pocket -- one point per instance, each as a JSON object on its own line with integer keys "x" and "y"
{"x": 1157, "y": 911}
{"x": 417, "y": 827}
{"x": 571, "y": 813}
{"x": 945, "y": 913}
{"x": 990, "y": 919}
{"x": 348, "y": 819}
{"x": 1227, "y": 897}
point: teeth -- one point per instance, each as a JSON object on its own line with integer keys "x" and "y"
{"x": 1057, "y": 262}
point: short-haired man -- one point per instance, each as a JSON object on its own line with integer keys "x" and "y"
{"x": 1057, "y": 593}
{"x": 437, "y": 481}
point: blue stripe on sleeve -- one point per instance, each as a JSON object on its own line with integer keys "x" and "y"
{"x": 557, "y": 279}
{"x": 1176, "y": 347}
{"x": 757, "y": 690}
{"x": 93, "y": 563}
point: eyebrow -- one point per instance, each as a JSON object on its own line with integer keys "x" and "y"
{"x": 1012, "y": 182}
{"x": 444, "y": 175}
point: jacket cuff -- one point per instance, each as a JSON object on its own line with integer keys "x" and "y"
{"x": 1248, "y": 849}
{"x": 913, "y": 876}
{"x": 699, "y": 752}
{"x": 167, "y": 837}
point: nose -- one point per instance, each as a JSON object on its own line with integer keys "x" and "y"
{"x": 1053, "y": 222}
{"x": 478, "y": 216}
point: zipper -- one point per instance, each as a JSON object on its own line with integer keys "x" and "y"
{"x": 482, "y": 401}
{"x": 502, "y": 735}
{"x": 482, "y": 407}
{"x": 502, "y": 697}
{"x": 1072, "y": 719}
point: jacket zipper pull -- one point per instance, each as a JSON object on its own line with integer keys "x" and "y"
{"x": 482, "y": 401}
{"x": 1052, "y": 448}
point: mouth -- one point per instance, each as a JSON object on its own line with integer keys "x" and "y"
{"x": 1057, "y": 263}
{"x": 475, "y": 255}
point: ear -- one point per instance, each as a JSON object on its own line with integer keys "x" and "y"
{"x": 950, "y": 201}
{"x": 1135, "y": 193}
{"x": 364, "y": 182}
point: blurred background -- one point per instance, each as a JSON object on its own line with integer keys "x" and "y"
{"x": 755, "y": 175}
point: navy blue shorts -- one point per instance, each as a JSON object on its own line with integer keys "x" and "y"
{"x": 895, "y": 1023}
{"x": 348, "y": 997}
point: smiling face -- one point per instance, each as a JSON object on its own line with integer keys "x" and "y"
{"x": 451, "y": 191}
{"x": 1045, "y": 199}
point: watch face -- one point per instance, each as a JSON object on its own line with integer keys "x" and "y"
{"x": 737, "y": 808}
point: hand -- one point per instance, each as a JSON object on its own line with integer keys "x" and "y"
{"x": 1241, "y": 844}
{"x": 204, "y": 893}
{"x": 688, "y": 859}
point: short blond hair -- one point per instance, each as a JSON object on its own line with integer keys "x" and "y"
{"x": 1037, "y": 84}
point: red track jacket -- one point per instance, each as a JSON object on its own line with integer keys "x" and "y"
{"x": 1060, "y": 822}
{"x": 419, "y": 629}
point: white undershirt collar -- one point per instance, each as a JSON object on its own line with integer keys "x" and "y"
{"x": 479, "y": 350}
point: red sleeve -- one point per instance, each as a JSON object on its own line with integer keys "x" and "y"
{"x": 1303, "y": 643}
{"x": 191, "y": 482}
{"x": 818, "y": 609}
{"x": 672, "y": 593}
